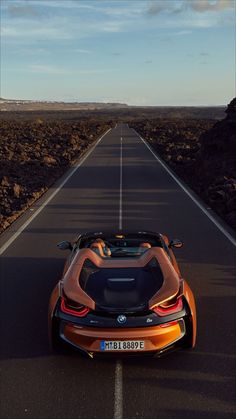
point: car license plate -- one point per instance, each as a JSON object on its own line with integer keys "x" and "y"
{"x": 122, "y": 345}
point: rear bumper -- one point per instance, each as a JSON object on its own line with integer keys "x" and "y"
{"x": 157, "y": 339}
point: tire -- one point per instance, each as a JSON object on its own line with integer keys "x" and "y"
{"x": 188, "y": 340}
{"x": 56, "y": 344}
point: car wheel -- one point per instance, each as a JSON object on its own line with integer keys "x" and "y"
{"x": 56, "y": 343}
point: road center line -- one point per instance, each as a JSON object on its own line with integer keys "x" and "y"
{"x": 121, "y": 182}
{"x": 118, "y": 392}
{"x": 118, "y": 408}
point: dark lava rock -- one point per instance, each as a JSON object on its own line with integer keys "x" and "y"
{"x": 217, "y": 161}
{"x": 33, "y": 154}
{"x": 202, "y": 153}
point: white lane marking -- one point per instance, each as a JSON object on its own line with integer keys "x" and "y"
{"x": 118, "y": 392}
{"x": 121, "y": 182}
{"x": 118, "y": 407}
{"x": 217, "y": 224}
{"x": 22, "y": 228}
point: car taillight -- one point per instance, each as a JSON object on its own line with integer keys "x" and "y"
{"x": 169, "y": 324}
{"x": 73, "y": 308}
{"x": 169, "y": 307}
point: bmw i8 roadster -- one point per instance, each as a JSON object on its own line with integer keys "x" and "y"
{"x": 122, "y": 293}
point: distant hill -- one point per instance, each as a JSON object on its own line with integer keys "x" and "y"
{"x": 30, "y": 105}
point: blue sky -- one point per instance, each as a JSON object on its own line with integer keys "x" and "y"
{"x": 161, "y": 52}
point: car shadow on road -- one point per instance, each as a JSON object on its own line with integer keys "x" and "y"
{"x": 25, "y": 289}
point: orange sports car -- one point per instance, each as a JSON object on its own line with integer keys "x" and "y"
{"x": 122, "y": 293}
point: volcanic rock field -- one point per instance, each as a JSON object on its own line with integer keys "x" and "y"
{"x": 37, "y": 148}
{"x": 33, "y": 154}
{"x": 203, "y": 153}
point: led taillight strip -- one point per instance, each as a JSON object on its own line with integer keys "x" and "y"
{"x": 79, "y": 313}
{"x": 161, "y": 311}
{"x": 169, "y": 324}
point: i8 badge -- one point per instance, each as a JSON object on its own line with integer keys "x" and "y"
{"x": 121, "y": 319}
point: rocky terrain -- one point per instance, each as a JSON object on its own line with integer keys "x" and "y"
{"x": 33, "y": 154}
{"x": 201, "y": 152}
{"x": 121, "y": 111}
{"x": 9, "y": 105}
{"x": 37, "y": 147}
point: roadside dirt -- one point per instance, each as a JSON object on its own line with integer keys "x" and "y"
{"x": 33, "y": 154}
{"x": 202, "y": 153}
{"x": 36, "y": 148}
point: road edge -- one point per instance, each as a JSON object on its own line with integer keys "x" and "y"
{"x": 45, "y": 199}
{"x": 192, "y": 195}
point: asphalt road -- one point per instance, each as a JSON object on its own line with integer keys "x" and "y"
{"x": 192, "y": 384}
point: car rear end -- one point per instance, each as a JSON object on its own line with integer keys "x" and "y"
{"x": 145, "y": 331}
{"x": 136, "y": 304}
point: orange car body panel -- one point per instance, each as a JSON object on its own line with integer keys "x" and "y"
{"x": 173, "y": 259}
{"x": 73, "y": 290}
{"x": 155, "y": 337}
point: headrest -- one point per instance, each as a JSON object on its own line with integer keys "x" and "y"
{"x": 100, "y": 241}
{"x": 146, "y": 245}
{"x": 95, "y": 245}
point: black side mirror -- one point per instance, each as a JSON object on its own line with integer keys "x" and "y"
{"x": 65, "y": 245}
{"x": 176, "y": 243}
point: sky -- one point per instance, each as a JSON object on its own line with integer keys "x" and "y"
{"x": 139, "y": 52}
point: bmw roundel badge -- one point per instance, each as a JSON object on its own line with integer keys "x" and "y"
{"x": 121, "y": 319}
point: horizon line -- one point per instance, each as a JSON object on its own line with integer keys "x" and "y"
{"x": 108, "y": 102}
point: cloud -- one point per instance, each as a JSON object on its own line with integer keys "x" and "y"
{"x": 184, "y": 32}
{"x": 93, "y": 71}
{"x": 156, "y": 7}
{"x": 148, "y": 62}
{"x": 112, "y": 26}
{"x": 77, "y": 20}
{"x": 54, "y": 4}
{"x": 131, "y": 11}
{"x": 170, "y": 6}
{"x": 83, "y": 51}
{"x": 32, "y": 32}
{"x": 202, "y": 6}
{"x": 54, "y": 70}
{"x": 16, "y": 10}
{"x": 48, "y": 69}
{"x": 30, "y": 51}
